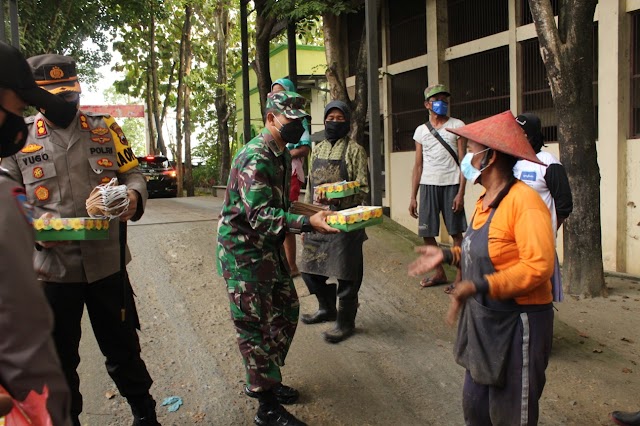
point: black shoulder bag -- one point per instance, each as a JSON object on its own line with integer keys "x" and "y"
{"x": 435, "y": 133}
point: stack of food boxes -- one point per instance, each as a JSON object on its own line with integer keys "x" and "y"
{"x": 69, "y": 229}
{"x": 355, "y": 218}
{"x": 337, "y": 189}
{"x": 349, "y": 219}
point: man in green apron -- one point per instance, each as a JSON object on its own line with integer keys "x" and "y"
{"x": 335, "y": 159}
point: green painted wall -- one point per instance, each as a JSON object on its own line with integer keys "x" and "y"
{"x": 311, "y": 61}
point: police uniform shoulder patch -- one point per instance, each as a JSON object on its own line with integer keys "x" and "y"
{"x": 100, "y": 131}
{"x": 41, "y": 128}
{"x": 118, "y": 131}
{"x": 41, "y": 193}
{"x": 104, "y": 162}
{"x": 82, "y": 120}
{"x": 23, "y": 204}
{"x": 31, "y": 148}
{"x": 100, "y": 139}
{"x": 38, "y": 172}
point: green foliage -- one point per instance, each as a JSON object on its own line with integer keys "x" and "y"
{"x": 309, "y": 9}
{"x": 80, "y": 29}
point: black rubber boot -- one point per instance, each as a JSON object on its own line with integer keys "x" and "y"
{"x": 326, "y": 306}
{"x": 626, "y": 418}
{"x": 346, "y": 322}
{"x": 144, "y": 411}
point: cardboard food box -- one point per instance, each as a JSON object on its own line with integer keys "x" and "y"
{"x": 71, "y": 229}
{"x": 337, "y": 189}
{"x": 355, "y": 218}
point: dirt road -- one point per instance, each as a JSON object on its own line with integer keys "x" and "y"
{"x": 397, "y": 370}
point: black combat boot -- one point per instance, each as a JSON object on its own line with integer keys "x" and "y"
{"x": 626, "y": 418}
{"x": 144, "y": 411}
{"x": 283, "y": 393}
{"x": 326, "y": 306}
{"x": 276, "y": 417}
{"x": 346, "y": 322}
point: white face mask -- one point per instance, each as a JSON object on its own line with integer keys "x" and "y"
{"x": 468, "y": 170}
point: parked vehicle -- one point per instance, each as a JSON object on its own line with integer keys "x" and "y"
{"x": 160, "y": 175}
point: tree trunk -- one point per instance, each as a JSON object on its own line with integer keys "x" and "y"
{"x": 165, "y": 104}
{"x": 334, "y": 46}
{"x": 222, "y": 109}
{"x": 150, "y": 126}
{"x": 335, "y": 52}
{"x": 154, "y": 81}
{"x": 568, "y": 56}
{"x": 188, "y": 171}
{"x": 360, "y": 104}
{"x": 186, "y": 28}
{"x": 264, "y": 26}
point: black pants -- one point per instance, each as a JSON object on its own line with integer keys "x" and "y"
{"x": 118, "y": 340}
{"x": 517, "y": 402}
{"x": 347, "y": 289}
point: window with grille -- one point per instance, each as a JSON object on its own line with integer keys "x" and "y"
{"x": 474, "y": 19}
{"x": 407, "y": 106}
{"x": 536, "y": 93}
{"x": 525, "y": 11}
{"x": 479, "y": 84}
{"x": 407, "y": 30}
{"x": 355, "y": 28}
{"x": 635, "y": 75}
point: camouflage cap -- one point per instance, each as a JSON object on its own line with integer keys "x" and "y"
{"x": 289, "y": 104}
{"x": 435, "y": 90}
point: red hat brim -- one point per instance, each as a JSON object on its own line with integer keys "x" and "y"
{"x": 502, "y": 133}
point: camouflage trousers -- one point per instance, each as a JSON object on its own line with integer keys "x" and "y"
{"x": 265, "y": 315}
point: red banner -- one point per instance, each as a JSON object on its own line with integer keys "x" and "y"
{"x": 126, "y": 111}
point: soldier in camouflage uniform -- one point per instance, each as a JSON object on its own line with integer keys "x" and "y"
{"x": 251, "y": 231}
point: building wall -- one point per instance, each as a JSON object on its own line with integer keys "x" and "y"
{"x": 618, "y": 155}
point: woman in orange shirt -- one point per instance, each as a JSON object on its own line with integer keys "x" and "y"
{"x": 507, "y": 259}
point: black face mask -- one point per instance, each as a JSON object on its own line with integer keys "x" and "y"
{"x": 335, "y": 130}
{"x": 63, "y": 115}
{"x": 291, "y": 132}
{"x": 13, "y": 134}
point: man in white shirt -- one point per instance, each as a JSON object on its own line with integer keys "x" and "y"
{"x": 436, "y": 173}
{"x": 551, "y": 182}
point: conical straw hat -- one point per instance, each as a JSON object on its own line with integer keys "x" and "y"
{"x": 502, "y": 133}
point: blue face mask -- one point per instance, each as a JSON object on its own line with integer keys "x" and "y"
{"x": 471, "y": 173}
{"x": 440, "y": 107}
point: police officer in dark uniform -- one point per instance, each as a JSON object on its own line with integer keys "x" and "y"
{"x": 59, "y": 167}
{"x": 28, "y": 361}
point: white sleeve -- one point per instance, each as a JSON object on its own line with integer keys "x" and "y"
{"x": 419, "y": 134}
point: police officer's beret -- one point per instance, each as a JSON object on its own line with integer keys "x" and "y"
{"x": 289, "y": 104}
{"x": 56, "y": 73}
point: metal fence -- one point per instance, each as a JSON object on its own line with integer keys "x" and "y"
{"x": 474, "y": 19}
{"x": 407, "y": 106}
{"x": 479, "y": 84}
{"x": 407, "y": 30}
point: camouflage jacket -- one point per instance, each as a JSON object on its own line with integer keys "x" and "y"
{"x": 255, "y": 215}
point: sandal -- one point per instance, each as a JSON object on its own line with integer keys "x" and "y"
{"x": 430, "y": 282}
